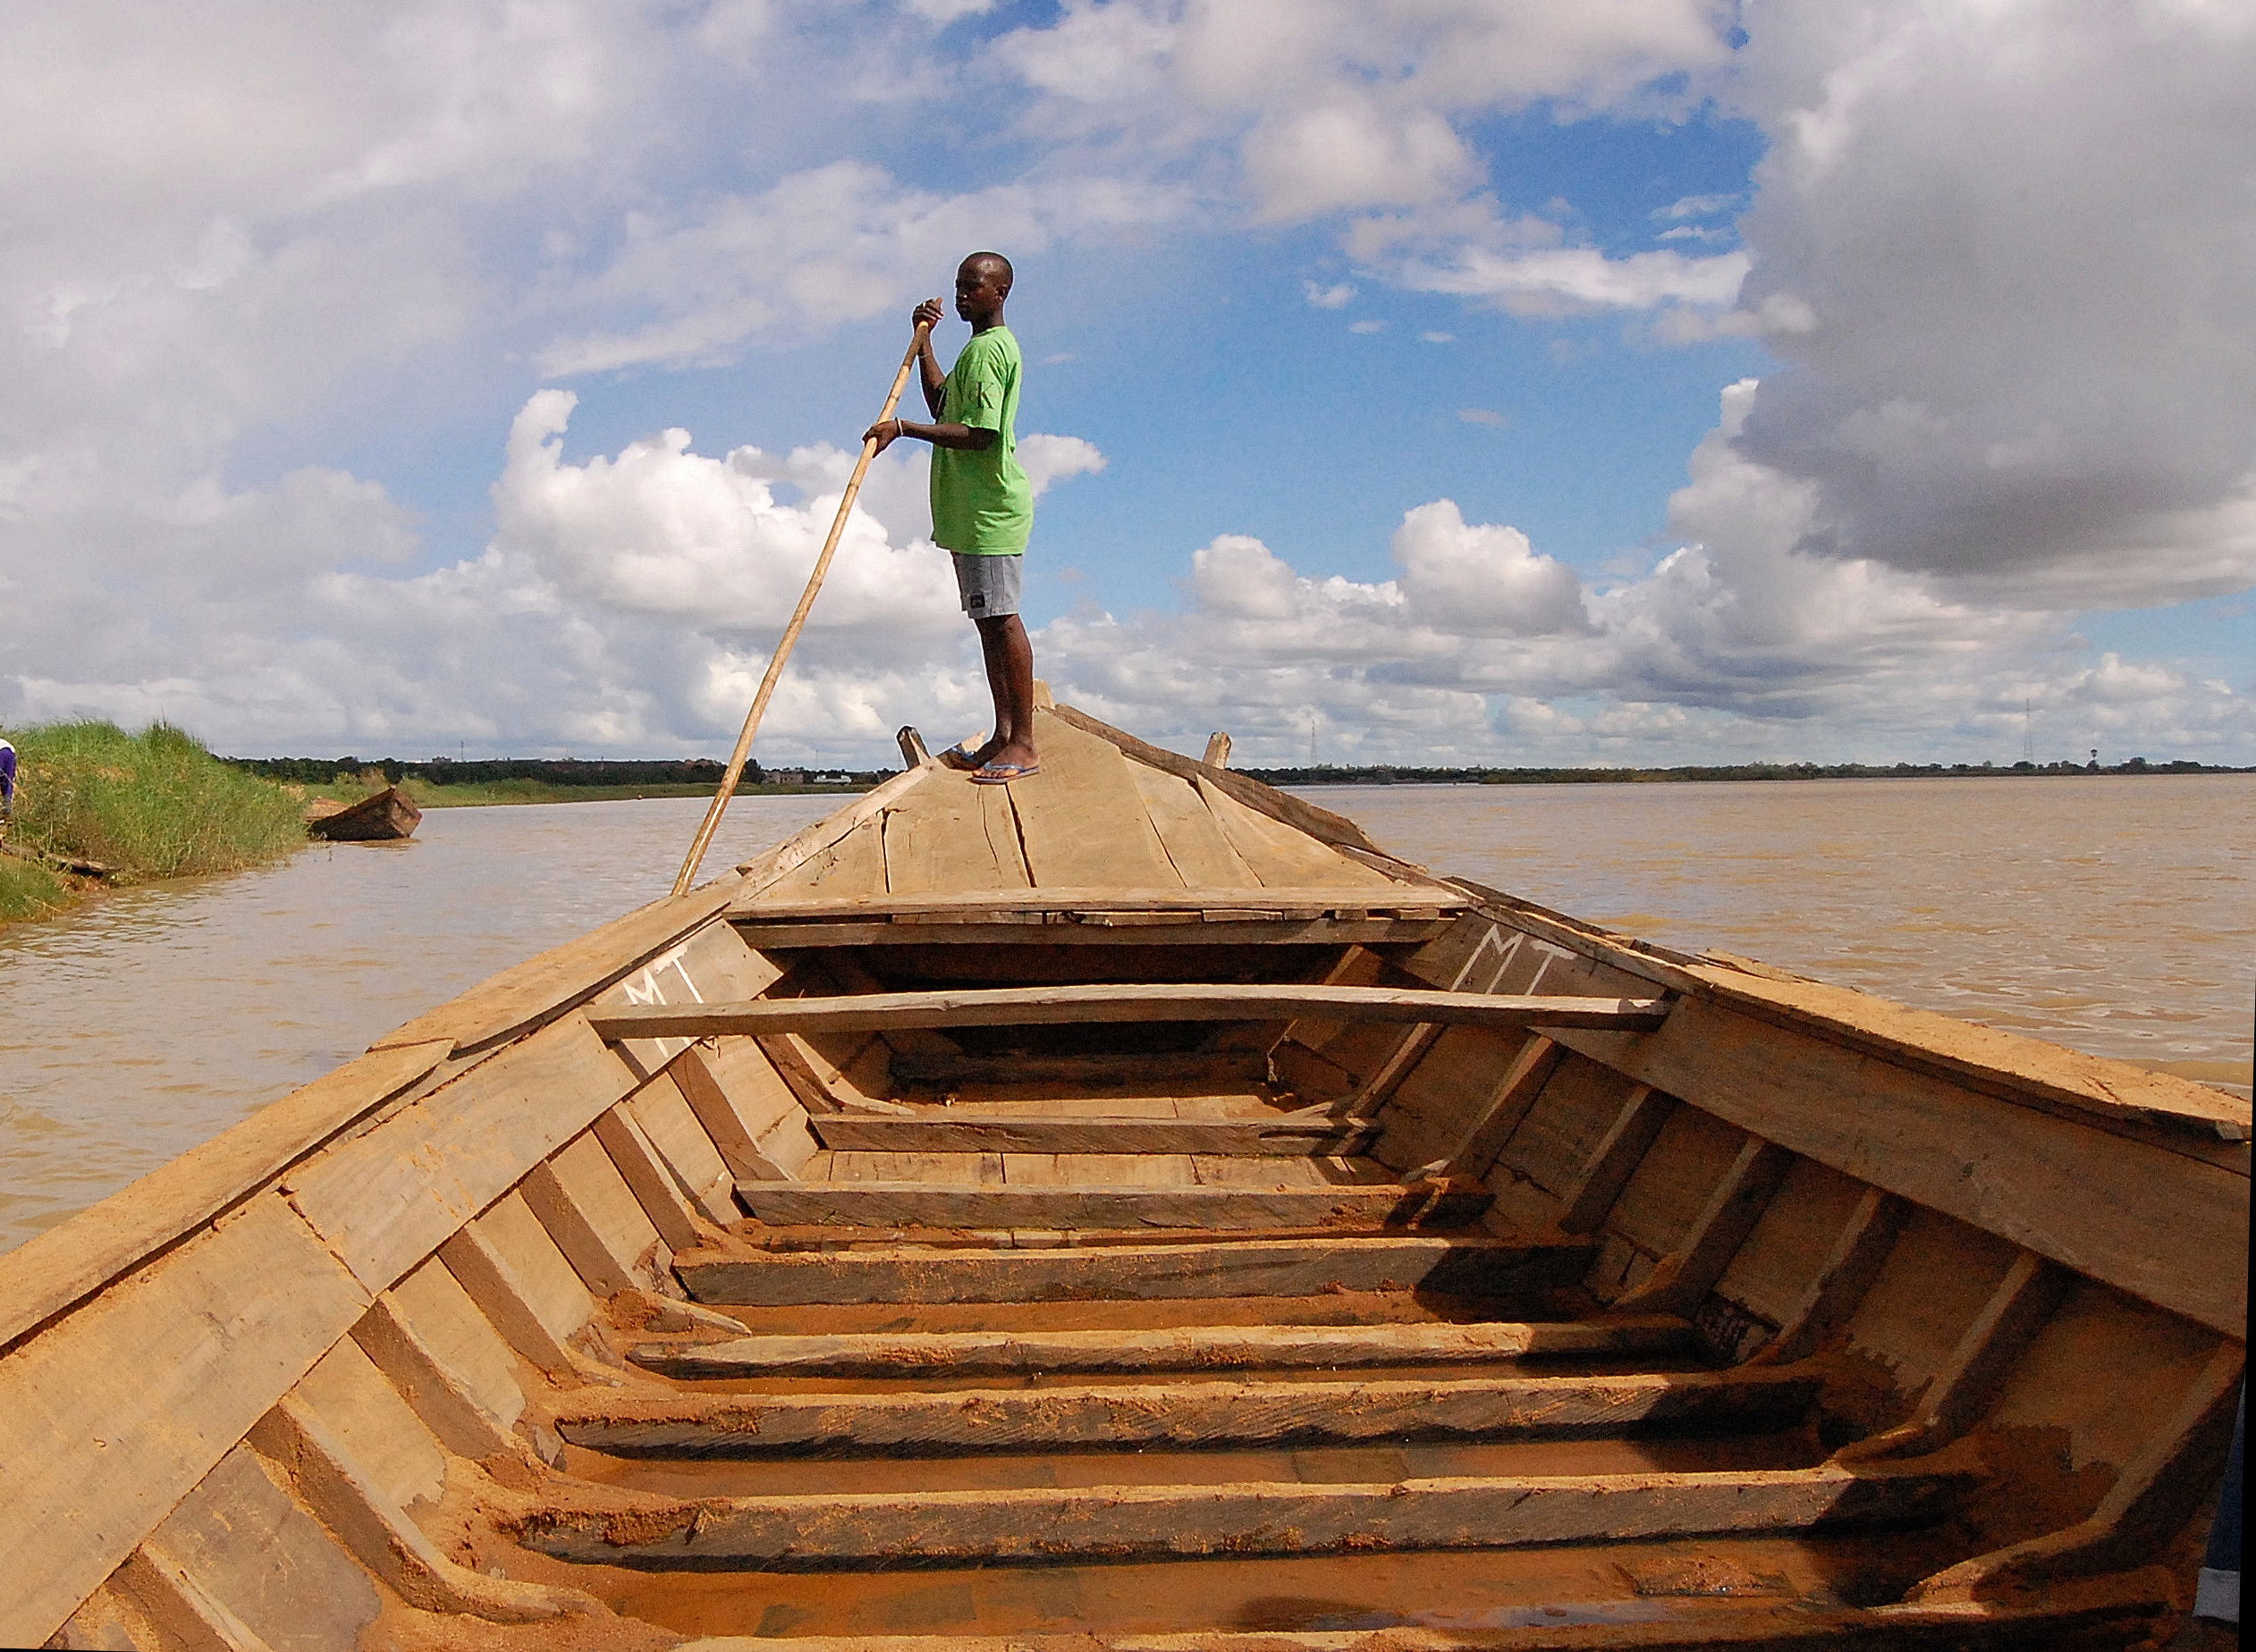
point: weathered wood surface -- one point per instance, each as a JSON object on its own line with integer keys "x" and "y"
{"x": 385, "y": 817}
{"x": 69, "y": 1262}
{"x": 1270, "y": 1410}
{"x": 942, "y": 838}
{"x": 389, "y": 1198}
{"x": 1321, "y": 824}
{"x": 1285, "y": 1137}
{"x": 1204, "y": 1068}
{"x": 1212, "y": 1269}
{"x": 1193, "y": 837}
{"x": 109, "y": 1416}
{"x": 990, "y": 1007}
{"x": 1081, "y": 818}
{"x": 1118, "y": 1522}
{"x": 1115, "y": 897}
{"x": 2117, "y": 1208}
{"x": 915, "y": 1204}
{"x": 1248, "y": 927}
{"x": 1197, "y": 1348}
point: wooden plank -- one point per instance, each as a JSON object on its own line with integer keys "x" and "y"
{"x": 544, "y": 987}
{"x": 1321, "y": 824}
{"x": 1082, "y": 820}
{"x": 896, "y": 1204}
{"x": 937, "y": 841}
{"x": 767, "y": 870}
{"x": 1193, "y": 1271}
{"x": 731, "y": 1130}
{"x": 1584, "y": 1204}
{"x": 690, "y": 1152}
{"x": 1094, "y": 1135}
{"x": 1197, "y": 1348}
{"x": 109, "y": 1415}
{"x": 391, "y": 1196}
{"x": 70, "y": 1261}
{"x": 1281, "y": 854}
{"x": 1189, "y": 1068}
{"x": 2138, "y": 1216}
{"x": 1207, "y": 929}
{"x": 1154, "y": 1522}
{"x": 1120, "y": 1001}
{"x": 1189, "y": 1414}
{"x": 1202, "y": 856}
{"x": 579, "y": 1195}
{"x": 1114, "y": 896}
{"x": 853, "y": 868}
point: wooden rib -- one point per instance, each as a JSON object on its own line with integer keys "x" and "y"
{"x": 1848, "y": 1272}
{"x": 693, "y": 1076}
{"x": 1682, "y": 1278}
{"x": 1117, "y": 1002}
{"x": 2119, "y": 1210}
{"x": 487, "y": 1278}
{"x": 1118, "y": 1522}
{"x": 1267, "y": 1347}
{"x": 913, "y": 1204}
{"x": 2153, "y": 1496}
{"x": 1493, "y": 1126}
{"x": 1242, "y": 1137}
{"x": 1977, "y": 1367}
{"x": 1583, "y": 1206}
{"x": 1114, "y": 896}
{"x": 574, "y": 1233}
{"x": 794, "y": 1064}
{"x": 186, "y": 1613}
{"x": 1175, "y": 1415}
{"x": 379, "y": 1534}
{"x": 51, "y": 1270}
{"x": 645, "y": 1172}
{"x": 1194, "y": 1270}
{"x": 457, "y": 1418}
{"x": 1213, "y": 927}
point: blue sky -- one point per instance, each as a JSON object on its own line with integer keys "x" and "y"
{"x": 1490, "y": 382}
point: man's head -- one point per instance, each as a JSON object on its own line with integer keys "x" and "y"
{"x": 982, "y": 281}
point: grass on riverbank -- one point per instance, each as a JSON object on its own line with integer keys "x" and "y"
{"x": 152, "y": 805}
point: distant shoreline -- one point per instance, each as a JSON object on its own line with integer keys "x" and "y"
{"x": 451, "y": 784}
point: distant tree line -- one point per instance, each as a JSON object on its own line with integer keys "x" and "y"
{"x": 555, "y": 771}
{"x": 1398, "y": 775}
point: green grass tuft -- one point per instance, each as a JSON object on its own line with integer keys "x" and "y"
{"x": 27, "y": 890}
{"x": 152, "y": 805}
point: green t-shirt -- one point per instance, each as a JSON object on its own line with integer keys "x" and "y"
{"x": 981, "y": 501}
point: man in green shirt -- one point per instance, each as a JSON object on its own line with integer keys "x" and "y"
{"x": 982, "y": 505}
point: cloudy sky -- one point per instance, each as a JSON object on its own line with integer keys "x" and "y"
{"x": 1444, "y": 381}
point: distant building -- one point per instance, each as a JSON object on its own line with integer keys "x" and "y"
{"x": 785, "y": 777}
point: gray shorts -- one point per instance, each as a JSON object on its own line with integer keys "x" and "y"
{"x": 989, "y": 584}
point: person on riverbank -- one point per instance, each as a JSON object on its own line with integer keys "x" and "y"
{"x": 982, "y": 504}
{"x": 7, "y": 786}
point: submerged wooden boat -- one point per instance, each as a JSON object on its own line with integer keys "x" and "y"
{"x": 1131, "y": 1209}
{"x": 382, "y": 817}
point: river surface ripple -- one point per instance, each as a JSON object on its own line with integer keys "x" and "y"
{"x": 2111, "y": 915}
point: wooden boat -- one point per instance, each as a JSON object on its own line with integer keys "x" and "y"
{"x": 384, "y": 817}
{"x": 1129, "y": 1210}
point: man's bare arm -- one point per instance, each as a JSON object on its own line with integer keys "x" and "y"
{"x": 928, "y": 316}
{"x": 968, "y": 437}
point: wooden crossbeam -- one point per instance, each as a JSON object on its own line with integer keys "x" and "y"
{"x": 1235, "y": 1137}
{"x": 921, "y": 1204}
{"x": 1193, "y": 1348}
{"x": 1193, "y": 1411}
{"x": 1194, "y": 1270}
{"x": 993, "y": 1007}
{"x": 1425, "y": 899}
{"x": 1056, "y": 1525}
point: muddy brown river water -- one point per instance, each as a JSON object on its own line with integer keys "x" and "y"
{"x": 2115, "y": 916}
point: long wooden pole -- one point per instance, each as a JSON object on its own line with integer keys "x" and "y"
{"x": 712, "y": 822}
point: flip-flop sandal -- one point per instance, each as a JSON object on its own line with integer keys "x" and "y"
{"x": 960, "y": 758}
{"x": 1003, "y": 773}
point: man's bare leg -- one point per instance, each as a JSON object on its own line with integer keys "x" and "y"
{"x": 1009, "y": 658}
